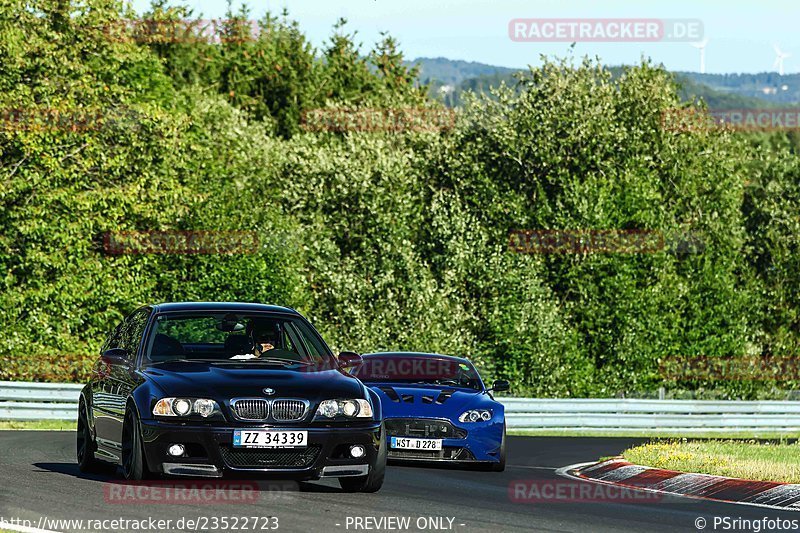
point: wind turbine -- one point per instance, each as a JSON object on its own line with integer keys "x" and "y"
{"x": 781, "y": 55}
{"x": 702, "y": 47}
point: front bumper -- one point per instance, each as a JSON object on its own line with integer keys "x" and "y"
{"x": 210, "y": 451}
{"x": 470, "y": 443}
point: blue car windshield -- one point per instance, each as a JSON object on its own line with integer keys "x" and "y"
{"x": 421, "y": 370}
{"x": 236, "y": 338}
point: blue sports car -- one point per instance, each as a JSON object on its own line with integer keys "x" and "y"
{"x": 436, "y": 408}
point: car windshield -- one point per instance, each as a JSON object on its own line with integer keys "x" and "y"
{"x": 236, "y": 338}
{"x": 418, "y": 370}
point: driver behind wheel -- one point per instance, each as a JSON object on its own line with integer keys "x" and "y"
{"x": 263, "y": 337}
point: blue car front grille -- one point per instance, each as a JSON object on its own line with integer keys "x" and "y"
{"x": 423, "y": 428}
{"x": 447, "y": 453}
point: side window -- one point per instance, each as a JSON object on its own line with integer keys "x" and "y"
{"x": 286, "y": 341}
{"x": 132, "y": 330}
{"x": 112, "y": 341}
{"x": 310, "y": 341}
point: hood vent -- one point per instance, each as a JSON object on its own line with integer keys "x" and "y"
{"x": 409, "y": 398}
{"x": 391, "y": 393}
{"x": 444, "y": 396}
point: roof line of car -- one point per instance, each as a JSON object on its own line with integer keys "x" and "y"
{"x": 221, "y": 306}
{"x": 423, "y": 354}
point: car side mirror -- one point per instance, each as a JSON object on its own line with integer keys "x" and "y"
{"x": 349, "y": 359}
{"x": 116, "y": 356}
{"x": 500, "y": 385}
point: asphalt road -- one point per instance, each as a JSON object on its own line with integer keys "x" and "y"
{"x": 39, "y": 478}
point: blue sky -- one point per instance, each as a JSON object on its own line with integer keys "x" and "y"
{"x": 741, "y": 33}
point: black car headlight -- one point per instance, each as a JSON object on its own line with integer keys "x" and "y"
{"x": 185, "y": 407}
{"x": 346, "y": 408}
{"x": 476, "y": 415}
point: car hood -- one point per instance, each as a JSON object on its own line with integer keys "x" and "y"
{"x": 222, "y": 382}
{"x": 435, "y": 402}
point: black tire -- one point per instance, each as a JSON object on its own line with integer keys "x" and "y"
{"x": 85, "y": 445}
{"x": 501, "y": 465}
{"x": 134, "y": 464}
{"x": 374, "y": 480}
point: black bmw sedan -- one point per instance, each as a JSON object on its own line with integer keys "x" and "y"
{"x": 213, "y": 389}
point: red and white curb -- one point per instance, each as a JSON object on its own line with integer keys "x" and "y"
{"x": 618, "y": 472}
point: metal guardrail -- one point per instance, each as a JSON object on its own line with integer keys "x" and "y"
{"x": 679, "y": 416}
{"x": 58, "y": 401}
{"x": 38, "y": 401}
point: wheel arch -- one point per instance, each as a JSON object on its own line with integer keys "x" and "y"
{"x": 85, "y": 398}
{"x": 142, "y": 398}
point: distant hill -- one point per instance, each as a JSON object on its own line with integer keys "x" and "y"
{"x": 453, "y": 71}
{"x": 769, "y": 87}
{"x": 449, "y": 79}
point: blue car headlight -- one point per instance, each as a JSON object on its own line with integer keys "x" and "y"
{"x": 476, "y": 415}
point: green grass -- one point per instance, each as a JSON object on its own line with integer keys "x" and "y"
{"x": 776, "y": 461}
{"x": 60, "y": 425}
{"x": 656, "y": 434}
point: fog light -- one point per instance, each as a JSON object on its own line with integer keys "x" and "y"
{"x": 357, "y": 451}
{"x": 176, "y": 450}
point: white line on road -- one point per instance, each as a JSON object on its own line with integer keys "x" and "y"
{"x": 23, "y": 529}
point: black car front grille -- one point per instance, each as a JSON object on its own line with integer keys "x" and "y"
{"x": 289, "y": 410}
{"x": 277, "y": 458}
{"x": 447, "y": 453}
{"x": 423, "y": 428}
{"x": 251, "y": 409}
